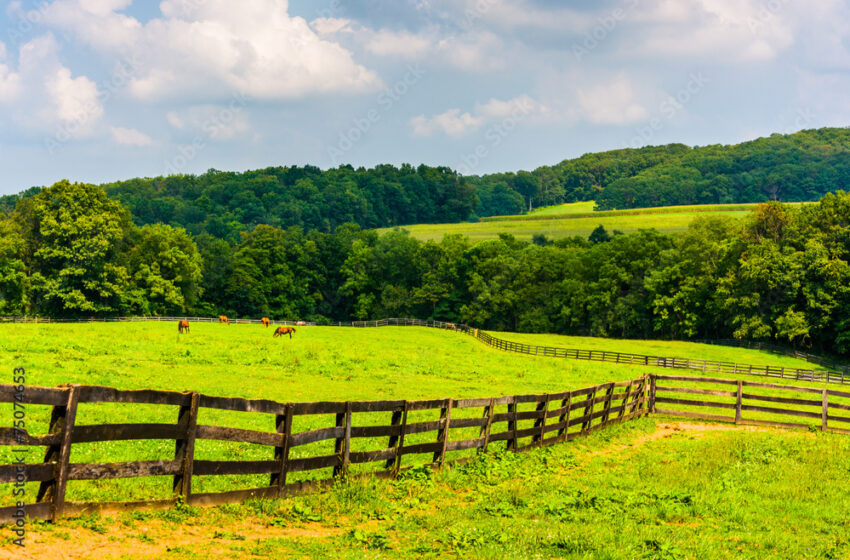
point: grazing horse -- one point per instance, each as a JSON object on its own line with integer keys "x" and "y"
{"x": 300, "y": 323}
{"x": 265, "y": 321}
{"x": 280, "y": 331}
{"x": 451, "y": 326}
{"x": 223, "y": 319}
{"x": 182, "y": 326}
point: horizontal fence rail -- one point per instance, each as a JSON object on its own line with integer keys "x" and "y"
{"x": 831, "y": 371}
{"x": 519, "y": 421}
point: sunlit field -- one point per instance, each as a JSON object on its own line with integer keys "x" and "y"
{"x": 578, "y": 219}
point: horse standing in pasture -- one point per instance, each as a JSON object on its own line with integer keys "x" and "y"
{"x": 451, "y": 326}
{"x": 182, "y": 326}
{"x": 223, "y": 319}
{"x": 300, "y": 323}
{"x": 280, "y": 331}
{"x": 265, "y": 321}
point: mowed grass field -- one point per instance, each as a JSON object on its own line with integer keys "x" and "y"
{"x": 649, "y": 489}
{"x": 578, "y": 219}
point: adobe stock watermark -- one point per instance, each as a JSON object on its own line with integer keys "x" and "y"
{"x": 361, "y": 125}
{"x": 212, "y": 127}
{"x": 27, "y": 21}
{"x": 21, "y": 455}
{"x": 669, "y": 108}
{"x": 768, "y": 10}
{"x": 605, "y": 25}
{"x": 124, "y": 71}
{"x": 495, "y": 134}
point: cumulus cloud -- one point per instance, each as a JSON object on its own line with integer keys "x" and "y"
{"x": 611, "y": 103}
{"x": 455, "y": 123}
{"x": 46, "y": 95}
{"x": 130, "y": 137}
{"x": 399, "y": 43}
{"x": 216, "y": 47}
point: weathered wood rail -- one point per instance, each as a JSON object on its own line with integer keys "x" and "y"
{"x": 520, "y": 421}
{"x": 830, "y": 372}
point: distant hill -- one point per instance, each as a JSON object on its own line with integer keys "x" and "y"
{"x": 795, "y": 167}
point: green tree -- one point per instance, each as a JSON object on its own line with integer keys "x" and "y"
{"x": 72, "y": 233}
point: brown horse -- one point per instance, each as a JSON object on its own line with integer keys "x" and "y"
{"x": 182, "y": 326}
{"x": 265, "y": 321}
{"x": 223, "y": 319}
{"x": 280, "y": 331}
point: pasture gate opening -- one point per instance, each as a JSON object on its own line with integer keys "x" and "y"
{"x": 521, "y": 421}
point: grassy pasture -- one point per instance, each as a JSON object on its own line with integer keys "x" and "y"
{"x": 319, "y": 363}
{"x": 650, "y": 489}
{"x": 567, "y": 220}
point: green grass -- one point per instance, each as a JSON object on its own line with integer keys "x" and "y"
{"x": 569, "y": 220}
{"x": 619, "y": 494}
{"x": 319, "y": 363}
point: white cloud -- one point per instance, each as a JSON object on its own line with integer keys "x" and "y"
{"x": 329, "y": 26}
{"x": 455, "y": 123}
{"x": 216, "y": 47}
{"x": 611, "y": 103}
{"x": 174, "y": 120}
{"x": 452, "y": 122}
{"x": 740, "y": 30}
{"x": 45, "y": 94}
{"x": 523, "y": 104}
{"x": 130, "y": 137}
{"x": 402, "y": 44}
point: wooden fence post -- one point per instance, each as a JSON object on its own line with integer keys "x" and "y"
{"x": 825, "y": 410}
{"x": 184, "y": 449}
{"x": 342, "y": 446}
{"x": 512, "y": 441}
{"x": 626, "y": 394}
{"x": 443, "y": 433}
{"x": 607, "y": 409}
{"x": 283, "y": 423}
{"x": 738, "y": 399}
{"x": 588, "y": 411}
{"x": 543, "y": 409}
{"x": 564, "y": 420}
{"x": 485, "y": 429}
{"x": 62, "y": 420}
{"x": 652, "y": 394}
{"x": 399, "y": 418}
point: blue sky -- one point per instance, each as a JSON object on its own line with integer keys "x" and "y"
{"x": 100, "y": 90}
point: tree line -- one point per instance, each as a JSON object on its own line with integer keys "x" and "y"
{"x": 782, "y": 274}
{"x": 790, "y": 168}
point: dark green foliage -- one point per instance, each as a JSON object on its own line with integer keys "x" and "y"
{"x": 224, "y": 204}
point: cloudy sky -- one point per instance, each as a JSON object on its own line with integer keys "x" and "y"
{"x": 99, "y": 90}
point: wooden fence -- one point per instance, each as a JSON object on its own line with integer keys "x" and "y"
{"x": 707, "y": 366}
{"x": 521, "y": 421}
{"x": 671, "y": 395}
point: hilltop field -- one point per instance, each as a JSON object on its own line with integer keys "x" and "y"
{"x": 579, "y": 219}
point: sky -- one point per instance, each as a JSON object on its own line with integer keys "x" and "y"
{"x": 103, "y": 90}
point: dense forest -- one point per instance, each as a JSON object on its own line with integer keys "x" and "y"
{"x": 783, "y": 274}
{"x": 789, "y": 168}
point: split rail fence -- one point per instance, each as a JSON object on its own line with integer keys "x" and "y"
{"x": 521, "y": 421}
